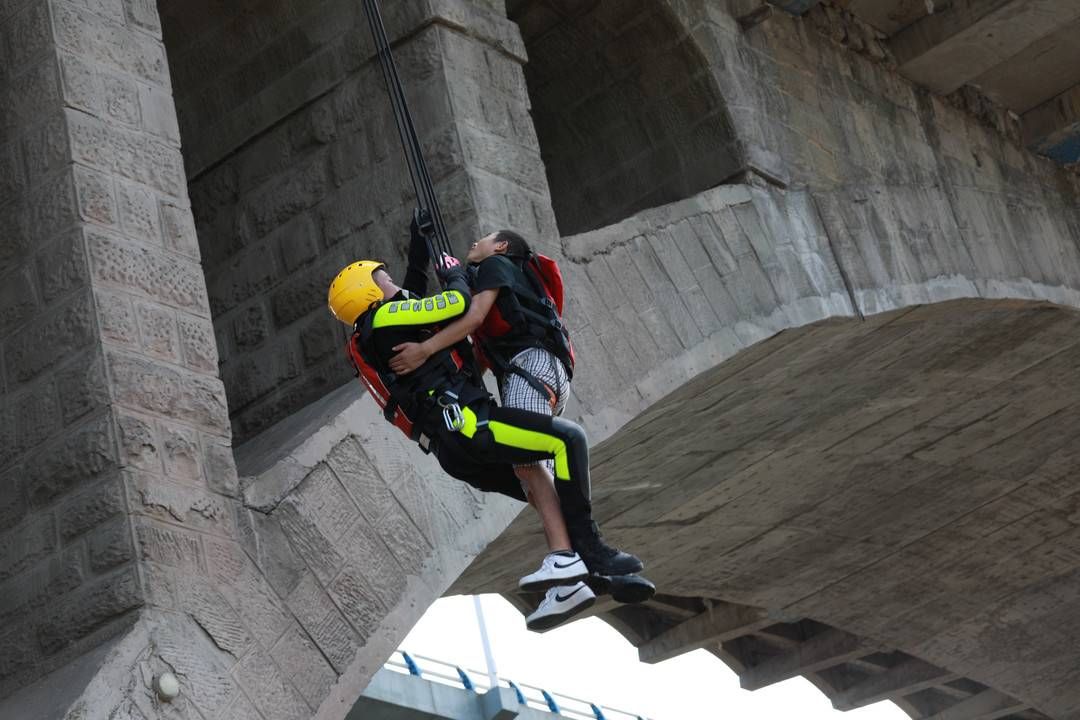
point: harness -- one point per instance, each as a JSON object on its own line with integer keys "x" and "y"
{"x": 414, "y": 403}
{"x": 533, "y": 320}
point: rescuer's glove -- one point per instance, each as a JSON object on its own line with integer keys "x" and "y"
{"x": 421, "y": 229}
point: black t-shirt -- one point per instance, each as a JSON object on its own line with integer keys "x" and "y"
{"x": 494, "y": 273}
{"x": 501, "y": 273}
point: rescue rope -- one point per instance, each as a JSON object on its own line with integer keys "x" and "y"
{"x": 437, "y": 239}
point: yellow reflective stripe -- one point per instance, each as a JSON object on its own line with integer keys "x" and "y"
{"x": 531, "y": 440}
{"x": 469, "y": 429}
{"x": 438, "y": 308}
{"x": 513, "y": 436}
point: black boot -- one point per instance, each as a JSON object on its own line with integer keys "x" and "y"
{"x": 622, "y": 588}
{"x": 599, "y": 557}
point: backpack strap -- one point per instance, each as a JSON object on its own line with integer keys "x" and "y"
{"x": 536, "y": 383}
{"x": 531, "y": 311}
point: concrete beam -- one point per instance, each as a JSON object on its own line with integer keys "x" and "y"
{"x": 672, "y": 605}
{"x": 909, "y": 676}
{"x": 987, "y": 705}
{"x": 1053, "y": 128}
{"x": 1041, "y": 72}
{"x": 888, "y": 16}
{"x": 948, "y": 49}
{"x": 822, "y": 651}
{"x": 722, "y": 622}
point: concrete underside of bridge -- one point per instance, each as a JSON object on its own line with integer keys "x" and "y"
{"x": 191, "y": 481}
{"x": 909, "y": 479}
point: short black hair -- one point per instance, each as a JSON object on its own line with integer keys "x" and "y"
{"x": 516, "y": 246}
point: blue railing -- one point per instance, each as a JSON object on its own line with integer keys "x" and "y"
{"x": 529, "y": 695}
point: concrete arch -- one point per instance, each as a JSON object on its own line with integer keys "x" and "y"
{"x": 903, "y": 481}
{"x": 626, "y": 110}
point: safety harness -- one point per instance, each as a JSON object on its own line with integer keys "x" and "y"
{"x": 445, "y": 381}
{"x": 530, "y": 315}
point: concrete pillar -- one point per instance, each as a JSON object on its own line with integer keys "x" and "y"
{"x": 117, "y": 482}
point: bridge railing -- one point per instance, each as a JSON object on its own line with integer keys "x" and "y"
{"x": 532, "y": 696}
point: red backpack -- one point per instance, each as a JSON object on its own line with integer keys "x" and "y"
{"x": 532, "y": 310}
{"x": 376, "y": 385}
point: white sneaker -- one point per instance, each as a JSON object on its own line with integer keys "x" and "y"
{"x": 564, "y": 567}
{"x": 559, "y": 605}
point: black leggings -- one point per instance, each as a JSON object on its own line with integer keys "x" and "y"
{"x": 485, "y": 450}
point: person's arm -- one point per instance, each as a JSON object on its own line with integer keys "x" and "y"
{"x": 442, "y": 307}
{"x": 412, "y": 355}
{"x": 419, "y": 257}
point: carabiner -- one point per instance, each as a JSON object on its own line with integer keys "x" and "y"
{"x": 453, "y": 417}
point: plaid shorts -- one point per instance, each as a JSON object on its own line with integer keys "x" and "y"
{"x": 516, "y": 392}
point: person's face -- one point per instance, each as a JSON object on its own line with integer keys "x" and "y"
{"x": 484, "y": 248}
{"x": 384, "y": 281}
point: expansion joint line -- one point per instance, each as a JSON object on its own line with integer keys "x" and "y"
{"x": 836, "y": 258}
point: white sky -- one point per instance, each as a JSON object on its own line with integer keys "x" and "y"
{"x": 588, "y": 659}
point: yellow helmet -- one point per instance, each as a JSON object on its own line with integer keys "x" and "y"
{"x": 353, "y": 291}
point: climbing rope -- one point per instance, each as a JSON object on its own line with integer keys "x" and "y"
{"x": 437, "y": 239}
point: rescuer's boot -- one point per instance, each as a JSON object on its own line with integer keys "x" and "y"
{"x": 622, "y": 588}
{"x": 601, "y": 558}
{"x": 559, "y": 605}
{"x": 563, "y": 567}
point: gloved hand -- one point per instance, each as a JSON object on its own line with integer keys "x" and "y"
{"x": 421, "y": 228}
{"x": 422, "y": 222}
{"x": 448, "y": 266}
{"x": 446, "y": 261}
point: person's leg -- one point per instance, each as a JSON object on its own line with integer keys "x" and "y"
{"x": 459, "y": 463}
{"x": 544, "y": 395}
{"x": 540, "y": 489}
{"x": 517, "y": 437}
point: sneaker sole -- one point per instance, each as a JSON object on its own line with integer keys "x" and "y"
{"x": 550, "y": 621}
{"x": 545, "y": 585}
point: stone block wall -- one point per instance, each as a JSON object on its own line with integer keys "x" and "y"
{"x": 669, "y": 292}
{"x": 357, "y": 534}
{"x": 111, "y": 400}
{"x": 914, "y": 191}
{"x": 324, "y": 183}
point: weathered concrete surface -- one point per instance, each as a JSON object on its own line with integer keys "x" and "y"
{"x": 312, "y": 174}
{"x": 909, "y": 478}
{"x": 357, "y": 534}
{"x": 114, "y": 438}
{"x": 943, "y": 51}
{"x": 341, "y": 543}
{"x": 861, "y": 194}
{"x": 131, "y": 535}
{"x": 1021, "y": 54}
